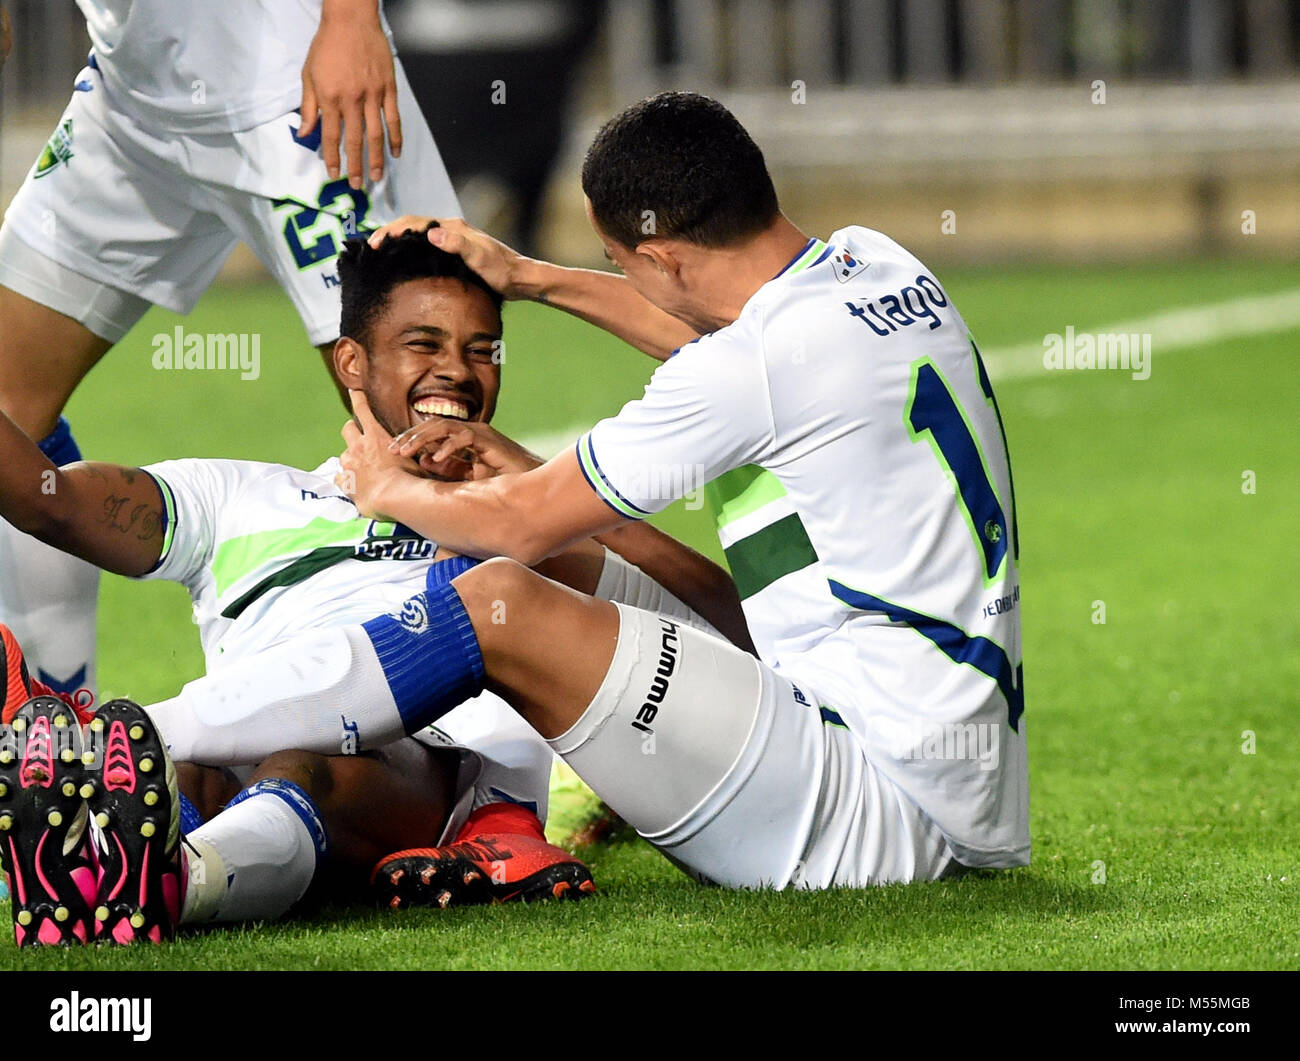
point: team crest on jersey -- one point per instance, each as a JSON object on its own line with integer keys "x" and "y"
{"x": 846, "y": 266}
{"x": 414, "y": 615}
{"x": 58, "y": 150}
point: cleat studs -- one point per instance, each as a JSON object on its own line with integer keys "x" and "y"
{"x": 60, "y": 721}
{"x": 97, "y": 725}
{"x": 427, "y": 874}
{"x": 137, "y": 919}
{"x": 560, "y": 888}
{"x": 24, "y": 917}
{"x": 396, "y": 876}
{"x": 60, "y": 913}
{"x": 150, "y": 798}
{"x": 587, "y": 886}
{"x": 6, "y": 756}
{"x": 54, "y": 818}
{"x": 19, "y": 725}
{"x": 395, "y": 903}
{"x": 67, "y": 755}
{"x": 471, "y": 876}
{"x": 146, "y": 830}
{"x": 6, "y": 822}
{"x": 136, "y": 731}
{"x": 101, "y": 819}
{"x": 87, "y": 790}
{"x": 69, "y": 789}
{"x": 88, "y": 758}
{"x": 4, "y": 790}
{"x": 146, "y": 764}
{"x": 444, "y": 899}
{"x": 101, "y": 913}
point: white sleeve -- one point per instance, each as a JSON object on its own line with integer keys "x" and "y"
{"x": 704, "y": 412}
{"x": 195, "y": 493}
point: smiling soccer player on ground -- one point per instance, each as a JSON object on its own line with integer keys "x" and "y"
{"x": 269, "y": 552}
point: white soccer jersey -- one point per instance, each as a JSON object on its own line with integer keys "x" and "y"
{"x": 203, "y": 66}
{"x": 268, "y": 551}
{"x": 858, "y": 469}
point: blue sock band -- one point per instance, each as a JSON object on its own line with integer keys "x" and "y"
{"x": 297, "y": 800}
{"x": 191, "y": 819}
{"x": 59, "y": 445}
{"x": 429, "y": 653}
{"x": 441, "y": 573}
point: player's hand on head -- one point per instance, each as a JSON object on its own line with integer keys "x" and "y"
{"x": 369, "y": 465}
{"x": 500, "y": 266}
{"x": 482, "y": 447}
{"x": 349, "y": 86}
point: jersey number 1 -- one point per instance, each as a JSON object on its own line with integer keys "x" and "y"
{"x": 932, "y": 410}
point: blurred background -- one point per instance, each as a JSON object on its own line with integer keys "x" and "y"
{"x": 979, "y": 130}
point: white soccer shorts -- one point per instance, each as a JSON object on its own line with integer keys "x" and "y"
{"x": 739, "y": 775}
{"x": 115, "y": 216}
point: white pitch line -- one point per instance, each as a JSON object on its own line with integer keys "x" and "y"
{"x": 1174, "y": 329}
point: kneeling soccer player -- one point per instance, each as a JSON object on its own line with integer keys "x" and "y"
{"x": 271, "y": 553}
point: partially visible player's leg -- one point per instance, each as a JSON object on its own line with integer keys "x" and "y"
{"x": 303, "y": 814}
{"x": 90, "y": 240}
{"x": 48, "y": 597}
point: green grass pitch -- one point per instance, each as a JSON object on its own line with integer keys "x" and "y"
{"x": 1159, "y": 843}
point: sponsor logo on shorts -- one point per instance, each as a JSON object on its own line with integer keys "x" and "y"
{"x": 669, "y": 649}
{"x": 58, "y": 150}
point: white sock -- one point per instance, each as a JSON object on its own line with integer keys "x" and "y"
{"x": 625, "y": 583}
{"x": 48, "y": 599}
{"x": 322, "y": 692}
{"x": 256, "y": 858}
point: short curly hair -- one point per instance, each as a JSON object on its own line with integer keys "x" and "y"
{"x": 369, "y": 274}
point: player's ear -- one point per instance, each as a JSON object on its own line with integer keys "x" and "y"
{"x": 662, "y": 255}
{"x": 349, "y": 359}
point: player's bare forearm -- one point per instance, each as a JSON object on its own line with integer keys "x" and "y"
{"x": 108, "y": 515}
{"x": 609, "y": 302}
{"x": 527, "y": 516}
{"x": 691, "y": 577}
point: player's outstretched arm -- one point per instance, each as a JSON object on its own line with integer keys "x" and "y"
{"x": 689, "y": 576}
{"x": 103, "y": 513}
{"x": 604, "y": 299}
{"x": 348, "y": 82}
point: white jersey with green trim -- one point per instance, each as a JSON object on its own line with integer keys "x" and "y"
{"x": 268, "y": 551}
{"x": 195, "y": 66}
{"x": 856, "y": 461}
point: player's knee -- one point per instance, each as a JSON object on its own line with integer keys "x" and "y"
{"x": 496, "y": 588}
{"x": 311, "y": 772}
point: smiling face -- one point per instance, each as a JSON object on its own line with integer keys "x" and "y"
{"x": 431, "y": 352}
